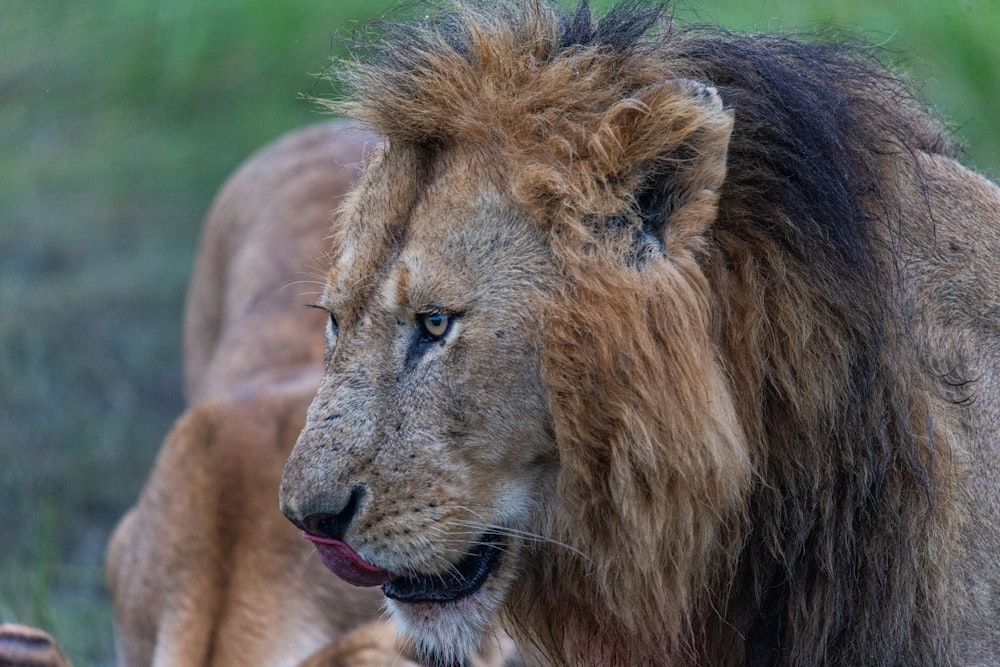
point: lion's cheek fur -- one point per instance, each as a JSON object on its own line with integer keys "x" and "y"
{"x": 643, "y": 416}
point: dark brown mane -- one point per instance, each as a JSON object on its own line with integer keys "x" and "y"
{"x": 833, "y": 565}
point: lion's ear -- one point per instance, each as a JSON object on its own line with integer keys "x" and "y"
{"x": 668, "y": 144}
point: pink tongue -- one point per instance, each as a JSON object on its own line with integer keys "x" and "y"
{"x": 344, "y": 562}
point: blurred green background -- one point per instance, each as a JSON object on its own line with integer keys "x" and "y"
{"x": 118, "y": 121}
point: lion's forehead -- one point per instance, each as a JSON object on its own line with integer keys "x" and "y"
{"x": 461, "y": 240}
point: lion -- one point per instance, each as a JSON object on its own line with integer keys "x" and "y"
{"x": 655, "y": 344}
{"x": 204, "y": 570}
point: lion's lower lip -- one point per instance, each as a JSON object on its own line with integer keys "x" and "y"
{"x": 463, "y": 579}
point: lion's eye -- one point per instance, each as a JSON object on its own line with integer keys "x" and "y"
{"x": 331, "y": 325}
{"x": 331, "y": 328}
{"x": 434, "y": 325}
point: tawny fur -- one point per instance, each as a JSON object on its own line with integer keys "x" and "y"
{"x": 204, "y": 570}
{"x": 758, "y": 356}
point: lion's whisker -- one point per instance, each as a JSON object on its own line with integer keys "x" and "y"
{"x": 484, "y": 526}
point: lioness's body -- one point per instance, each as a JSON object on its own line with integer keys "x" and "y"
{"x": 204, "y": 570}
{"x": 672, "y": 351}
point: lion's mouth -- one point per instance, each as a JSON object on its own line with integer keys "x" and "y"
{"x": 461, "y": 580}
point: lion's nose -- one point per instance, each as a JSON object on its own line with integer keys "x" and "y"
{"x": 333, "y": 524}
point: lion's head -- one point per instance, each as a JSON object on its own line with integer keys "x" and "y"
{"x": 571, "y": 361}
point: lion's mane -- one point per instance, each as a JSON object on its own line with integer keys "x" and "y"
{"x": 806, "y": 523}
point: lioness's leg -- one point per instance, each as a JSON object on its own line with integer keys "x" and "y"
{"x": 375, "y": 644}
{"x": 372, "y": 645}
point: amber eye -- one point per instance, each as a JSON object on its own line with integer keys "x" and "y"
{"x": 435, "y": 325}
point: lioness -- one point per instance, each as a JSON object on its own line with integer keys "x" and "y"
{"x": 674, "y": 348}
{"x": 204, "y": 570}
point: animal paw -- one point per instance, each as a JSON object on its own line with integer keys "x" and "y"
{"x": 21, "y": 646}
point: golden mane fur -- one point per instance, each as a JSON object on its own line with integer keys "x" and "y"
{"x": 757, "y": 442}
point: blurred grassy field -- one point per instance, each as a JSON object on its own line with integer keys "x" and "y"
{"x": 118, "y": 121}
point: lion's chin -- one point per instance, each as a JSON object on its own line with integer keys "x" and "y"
{"x": 450, "y": 618}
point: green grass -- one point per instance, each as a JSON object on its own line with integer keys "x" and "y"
{"x": 118, "y": 121}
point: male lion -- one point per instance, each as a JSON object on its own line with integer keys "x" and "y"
{"x": 673, "y": 349}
